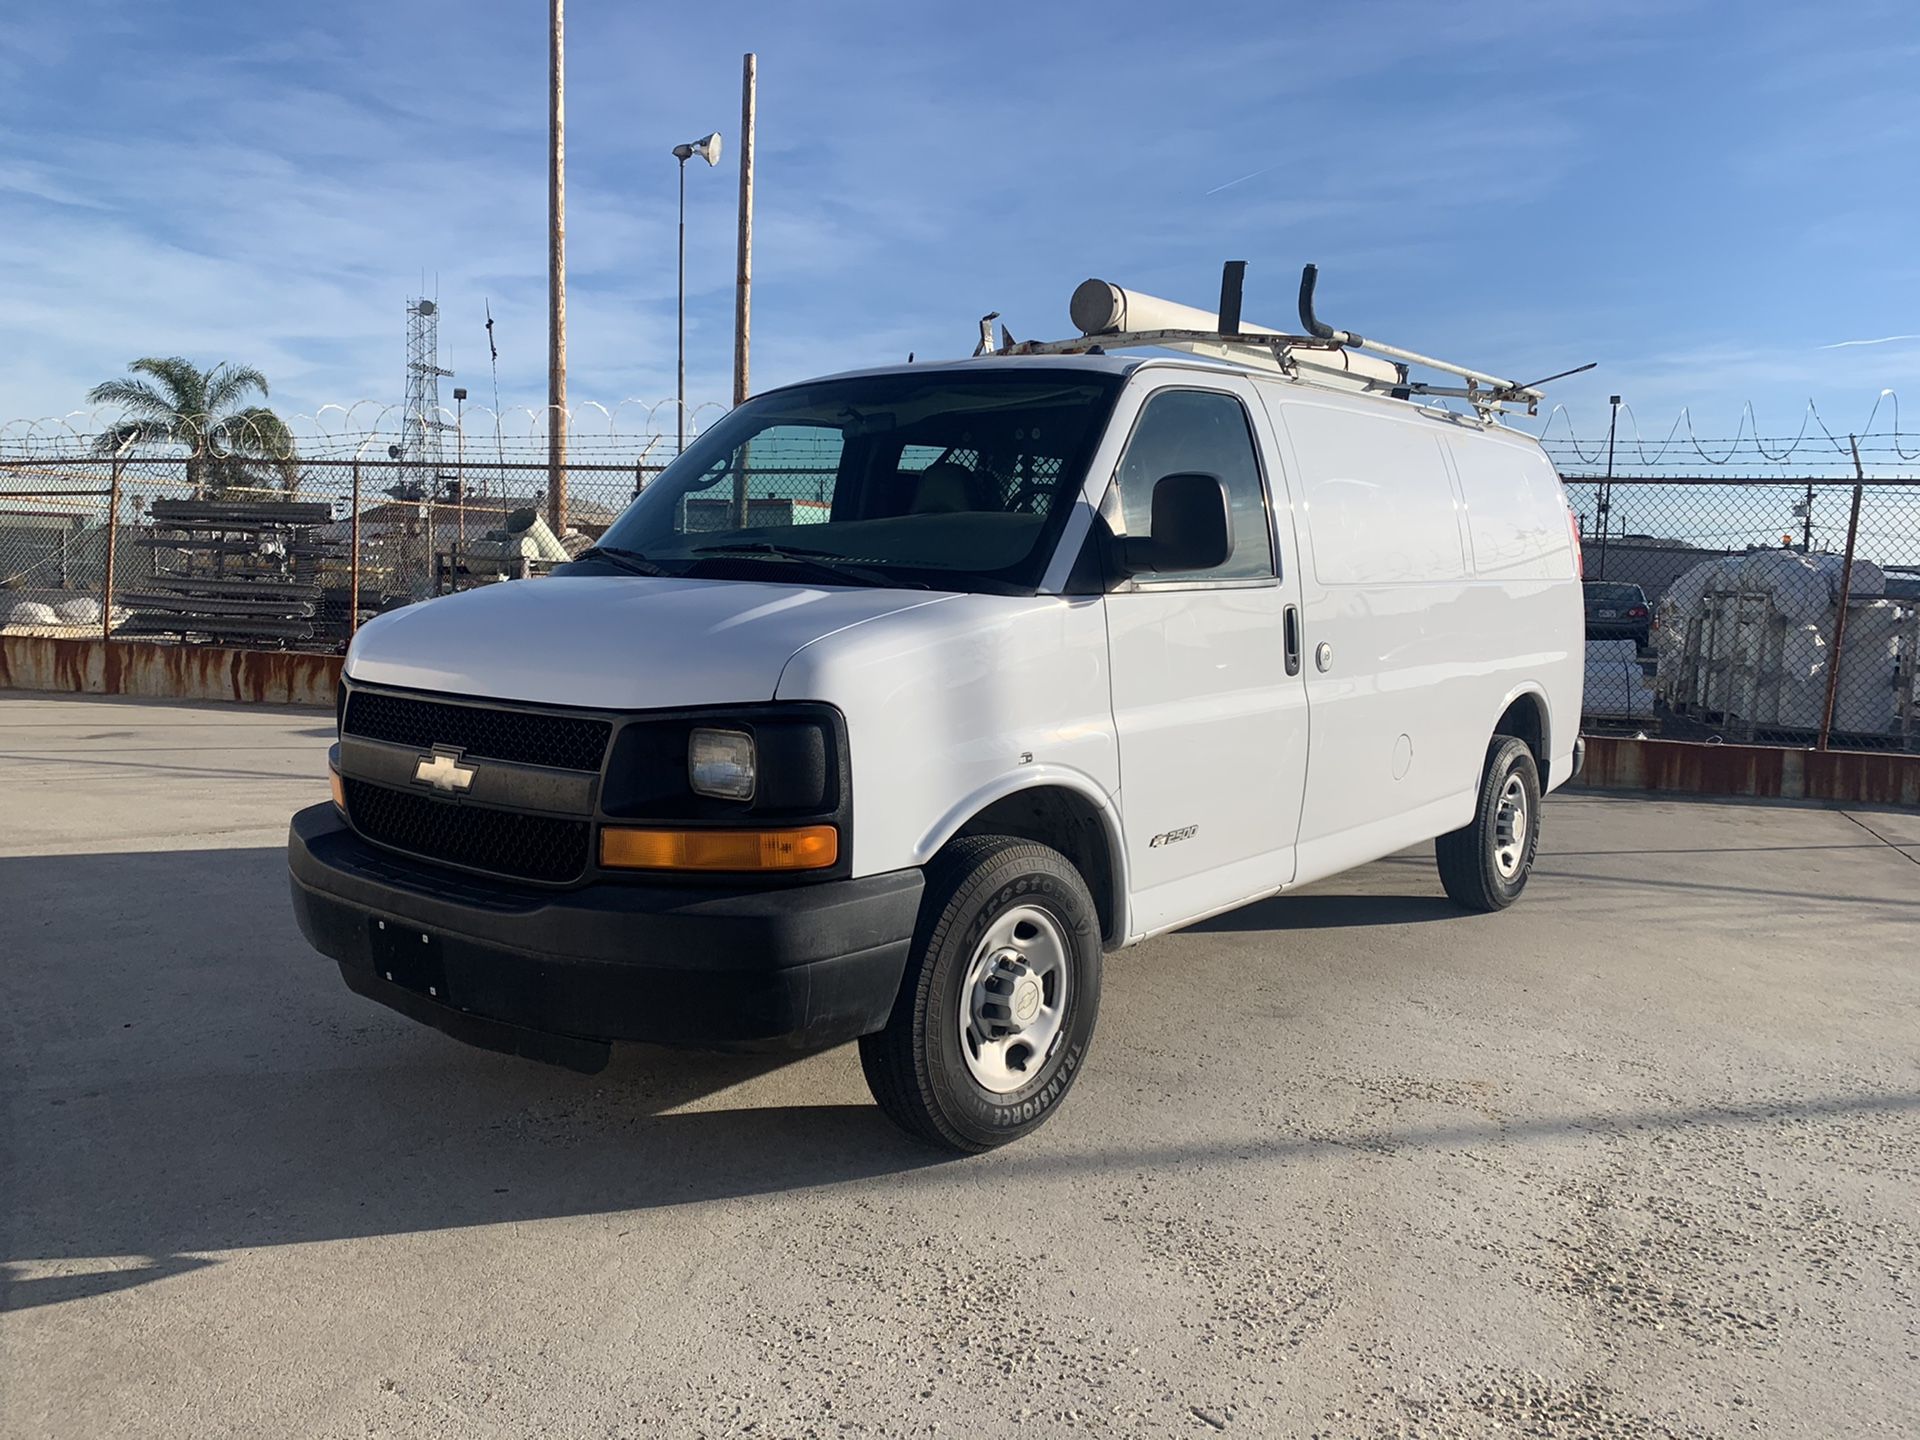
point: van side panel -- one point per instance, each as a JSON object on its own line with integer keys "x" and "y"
{"x": 1516, "y": 513}
{"x": 1426, "y": 651}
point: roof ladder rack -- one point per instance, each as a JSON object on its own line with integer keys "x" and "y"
{"x": 1111, "y": 318}
{"x": 1482, "y": 390}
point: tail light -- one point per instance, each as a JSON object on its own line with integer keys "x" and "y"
{"x": 1638, "y": 612}
{"x": 1573, "y": 533}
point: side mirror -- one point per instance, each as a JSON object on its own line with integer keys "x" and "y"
{"x": 1190, "y": 529}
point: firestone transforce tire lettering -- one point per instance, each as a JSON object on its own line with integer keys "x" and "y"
{"x": 1484, "y": 865}
{"x": 997, "y": 1007}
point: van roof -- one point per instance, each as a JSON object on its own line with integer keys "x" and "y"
{"x": 1111, "y": 364}
{"x": 997, "y": 364}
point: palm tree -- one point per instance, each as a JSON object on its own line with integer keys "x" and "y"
{"x": 226, "y": 441}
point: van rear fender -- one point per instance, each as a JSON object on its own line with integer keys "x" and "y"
{"x": 1054, "y": 806}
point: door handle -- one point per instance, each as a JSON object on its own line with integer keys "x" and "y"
{"x": 1290, "y": 624}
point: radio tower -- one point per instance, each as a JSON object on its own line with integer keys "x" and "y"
{"x": 420, "y": 430}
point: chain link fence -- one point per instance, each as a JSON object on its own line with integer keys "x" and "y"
{"x": 1766, "y": 611}
{"x": 1714, "y": 602}
{"x": 281, "y": 556}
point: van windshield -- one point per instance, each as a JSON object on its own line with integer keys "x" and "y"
{"x": 945, "y": 480}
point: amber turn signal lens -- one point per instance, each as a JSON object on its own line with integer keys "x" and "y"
{"x": 810, "y": 847}
{"x": 339, "y": 790}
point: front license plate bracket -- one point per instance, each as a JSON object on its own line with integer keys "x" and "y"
{"x": 409, "y": 958}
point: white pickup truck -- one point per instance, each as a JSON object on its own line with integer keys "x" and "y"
{"x": 902, "y": 696}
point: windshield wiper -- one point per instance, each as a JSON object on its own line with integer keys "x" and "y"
{"x": 824, "y": 561}
{"x": 632, "y": 561}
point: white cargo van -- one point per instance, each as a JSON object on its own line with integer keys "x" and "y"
{"x": 903, "y": 695}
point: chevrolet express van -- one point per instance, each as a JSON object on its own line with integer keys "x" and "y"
{"x": 902, "y": 696}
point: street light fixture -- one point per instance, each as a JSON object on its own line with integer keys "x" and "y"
{"x": 708, "y": 149}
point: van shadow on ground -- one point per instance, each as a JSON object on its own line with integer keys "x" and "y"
{"x": 189, "y": 1076}
{"x": 1325, "y": 912}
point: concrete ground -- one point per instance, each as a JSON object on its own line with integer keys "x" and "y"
{"x": 1640, "y": 1157}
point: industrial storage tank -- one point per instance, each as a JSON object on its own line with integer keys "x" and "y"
{"x": 1747, "y": 640}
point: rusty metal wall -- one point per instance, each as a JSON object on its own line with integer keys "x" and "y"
{"x": 1763, "y": 772}
{"x": 163, "y": 671}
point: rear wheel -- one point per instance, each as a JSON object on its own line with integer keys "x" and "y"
{"x": 1484, "y": 865}
{"x": 997, "y": 1006}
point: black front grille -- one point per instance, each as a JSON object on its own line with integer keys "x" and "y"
{"x": 524, "y": 737}
{"x": 503, "y": 842}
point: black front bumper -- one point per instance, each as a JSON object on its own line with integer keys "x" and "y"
{"x": 557, "y": 974}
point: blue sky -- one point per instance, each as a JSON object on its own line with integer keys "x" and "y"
{"x": 1700, "y": 197}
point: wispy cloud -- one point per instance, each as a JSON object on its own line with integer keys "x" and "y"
{"x": 1883, "y": 340}
{"x": 1254, "y": 175}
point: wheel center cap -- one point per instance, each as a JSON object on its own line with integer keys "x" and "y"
{"x": 1026, "y": 1001}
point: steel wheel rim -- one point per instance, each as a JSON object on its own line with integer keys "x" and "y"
{"x": 1013, "y": 1001}
{"x": 1511, "y": 824}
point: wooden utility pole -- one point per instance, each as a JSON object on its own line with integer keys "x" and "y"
{"x": 743, "y": 284}
{"x": 557, "y": 274}
{"x": 743, "y": 280}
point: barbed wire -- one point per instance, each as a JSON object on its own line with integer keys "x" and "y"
{"x": 638, "y": 431}
{"x": 630, "y": 431}
{"x": 1747, "y": 445}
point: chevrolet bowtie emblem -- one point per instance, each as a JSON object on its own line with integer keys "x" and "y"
{"x": 444, "y": 772}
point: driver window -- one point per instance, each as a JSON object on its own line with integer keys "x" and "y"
{"x": 1205, "y": 431}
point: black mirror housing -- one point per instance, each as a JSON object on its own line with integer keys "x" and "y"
{"x": 1190, "y": 528}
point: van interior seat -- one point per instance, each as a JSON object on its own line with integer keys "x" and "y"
{"x": 945, "y": 489}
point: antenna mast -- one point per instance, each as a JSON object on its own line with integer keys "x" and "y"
{"x": 421, "y": 424}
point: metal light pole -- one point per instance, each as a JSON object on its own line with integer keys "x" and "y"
{"x": 1846, "y": 594}
{"x": 557, "y": 273}
{"x": 113, "y": 532}
{"x": 353, "y": 541}
{"x": 680, "y": 388}
{"x": 708, "y": 150}
{"x": 459, "y": 478}
{"x": 1606, "y": 488}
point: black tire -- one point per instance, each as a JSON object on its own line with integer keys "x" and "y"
{"x": 1472, "y": 870}
{"x": 916, "y": 1067}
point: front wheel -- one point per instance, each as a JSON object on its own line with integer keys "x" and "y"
{"x": 1484, "y": 865}
{"x": 997, "y": 1006}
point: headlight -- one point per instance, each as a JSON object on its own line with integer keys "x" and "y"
{"x": 720, "y": 763}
